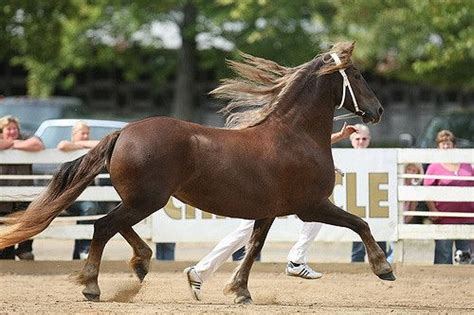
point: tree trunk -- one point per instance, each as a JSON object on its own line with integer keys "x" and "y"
{"x": 185, "y": 90}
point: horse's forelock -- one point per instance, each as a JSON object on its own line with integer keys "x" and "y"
{"x": 343, "y": 51}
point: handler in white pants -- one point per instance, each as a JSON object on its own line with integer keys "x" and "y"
{"x": 206, "y": 267}
{"x": 297, "y": 266}
{"x": 297, "y": 254}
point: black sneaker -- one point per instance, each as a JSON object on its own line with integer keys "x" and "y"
{"x": 26, "y": 256}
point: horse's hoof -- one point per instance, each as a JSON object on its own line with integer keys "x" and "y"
{"x": 389, "y": 276}
{"x": 141, "y": 272}
{"x": 92, "y": 293}
{"x": 243, "y": 300}
{"x": 92, "y": 297}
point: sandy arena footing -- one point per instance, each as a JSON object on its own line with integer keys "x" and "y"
{"x": 45, "y": 287}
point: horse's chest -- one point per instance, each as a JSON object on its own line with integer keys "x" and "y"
{"x": 308, "y": 175}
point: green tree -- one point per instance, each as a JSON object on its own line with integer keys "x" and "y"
{"x": 46, "y": 37}
{"x": 420, "y": 41}
{"x": 185, "y": 90}
{"x": 430, "y": 42}
{"x": 49, "y": 38}
{"x": 289, "y": 32}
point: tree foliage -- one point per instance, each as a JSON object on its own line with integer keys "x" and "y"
{"x": 428, "y": 42}
{"x": 47, "y": 37}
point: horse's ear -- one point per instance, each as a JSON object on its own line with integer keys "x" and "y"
{"x": 347, "y": 48}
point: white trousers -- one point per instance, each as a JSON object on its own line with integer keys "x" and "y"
{"x": 224, "y": 249}
{"x": 240, "y": 237}
{"x": 308, "y": 233}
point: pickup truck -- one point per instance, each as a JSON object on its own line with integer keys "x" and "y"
{"x": 460, "y": 122}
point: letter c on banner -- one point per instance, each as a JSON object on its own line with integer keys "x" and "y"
{"x": 338, "y": 181}
{"x": 172, "y": 211}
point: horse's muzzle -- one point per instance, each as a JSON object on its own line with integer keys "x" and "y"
{"x": 370, "y": 118}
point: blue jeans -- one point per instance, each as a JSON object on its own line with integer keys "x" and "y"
{"x": 82, "y": 208}
{"x": 358, "y": 251}
{"x": 165, "y": 251}
{"x": 23, "y": 247}
{"x": 444, "y": 250}
{"x": 240, "y": 254}
{"x": 10, "y": 252}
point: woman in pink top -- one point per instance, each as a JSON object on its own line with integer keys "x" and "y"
{"x": 444, "y": 248}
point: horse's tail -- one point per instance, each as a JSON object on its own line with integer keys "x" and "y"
{"x": 67, "y": 184}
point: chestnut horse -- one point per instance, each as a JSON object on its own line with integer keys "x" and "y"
{"x": 274, "y": 159}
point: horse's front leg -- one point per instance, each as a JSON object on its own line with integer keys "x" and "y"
{"x": 331, "y": 214}
{"x": 239, "y": 281}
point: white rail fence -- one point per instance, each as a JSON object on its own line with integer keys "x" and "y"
{"x": 436, "y": 193}
{"x": 65, "y": 227}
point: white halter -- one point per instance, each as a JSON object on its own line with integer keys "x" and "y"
{"x": 345, "y": 83}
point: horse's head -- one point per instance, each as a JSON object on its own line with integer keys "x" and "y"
{"x": 353, "y": 92}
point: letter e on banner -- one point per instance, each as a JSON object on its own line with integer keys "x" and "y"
{"x": 351, "y": 196}
{"x": 377, "y": 195}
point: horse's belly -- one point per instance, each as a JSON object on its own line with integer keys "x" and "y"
{"x": 232, "y": 203}
{"x": 254, "y": 199}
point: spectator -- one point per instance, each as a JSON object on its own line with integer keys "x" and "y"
{"x": 446, "y": 140}
{"x": 412, "y": 168}
{"x": 361, "y": 140}
{"x": 80, "y": 140}
{"x": 12, "y": 138}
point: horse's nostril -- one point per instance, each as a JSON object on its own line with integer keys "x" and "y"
{"x": 380, "y": 111}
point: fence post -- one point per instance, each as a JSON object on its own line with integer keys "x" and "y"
{"x": 399, "y": 245}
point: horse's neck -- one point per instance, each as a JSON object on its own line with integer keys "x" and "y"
{"x": 314, "y": 119}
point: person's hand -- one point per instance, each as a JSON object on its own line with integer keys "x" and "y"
{"x": 6, "y": 144}
{"x": 347, "y": 130}
{"x": 434, "y": 220}
{"x": 64, "y": 144}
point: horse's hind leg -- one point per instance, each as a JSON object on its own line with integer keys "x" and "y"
{"x": 331, "y": 214}
{"x": 119, "y": 219}
{"x": 142, "y": 253}
{"x": 238, "y": 284}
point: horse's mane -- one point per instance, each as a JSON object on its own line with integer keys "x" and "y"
{"x": 262, "y": 83}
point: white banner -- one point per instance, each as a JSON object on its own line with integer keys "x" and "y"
{"x": 367, "y": 189}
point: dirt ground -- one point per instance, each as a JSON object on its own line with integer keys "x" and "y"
{"x": 44, "y": 287}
